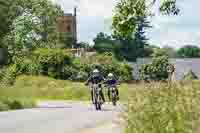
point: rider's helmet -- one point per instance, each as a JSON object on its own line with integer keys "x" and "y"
{"x": 110, "y": 76}
{"x": 95, "y": 72}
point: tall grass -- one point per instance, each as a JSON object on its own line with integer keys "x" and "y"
{"x": 44, "y": 88}
{"x": 158, "y": 108}
{"x": 11, "y": 103}
{"x": 39, "y": 87}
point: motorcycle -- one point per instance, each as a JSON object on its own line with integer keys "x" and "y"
{"x": 97, "y": 96}
{"x": 113, "y": 94}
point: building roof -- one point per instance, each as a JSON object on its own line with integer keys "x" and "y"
{"x": 68, "y": 14}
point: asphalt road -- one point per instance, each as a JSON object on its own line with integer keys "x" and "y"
{"x": 62, "y": 117}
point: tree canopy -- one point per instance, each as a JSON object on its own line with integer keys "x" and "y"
{"x": 30, "y": 23}
{"x": 189, "y": 51}
{"x": 123, "y": 48}
{"x": 127, "y": 12}
{"x": 8, "y": 11}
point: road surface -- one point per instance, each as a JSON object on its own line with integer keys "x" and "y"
{"x": 62, "y": 117}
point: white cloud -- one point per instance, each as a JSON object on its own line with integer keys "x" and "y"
{"x": 179, "y": 30}
{"x": 95, "y": 8}
{"x": 88, "y": 8}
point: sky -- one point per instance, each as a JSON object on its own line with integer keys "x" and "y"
{"x": 95, "y": 16}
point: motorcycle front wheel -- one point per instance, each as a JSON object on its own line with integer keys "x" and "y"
{"x": 114, "y": 99}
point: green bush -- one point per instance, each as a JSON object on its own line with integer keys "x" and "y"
{"x": 21, "y": 66}
{"x": 13, "y": 103}
{"x": 70, "y": 72}
{"x": 122, "y": 71}
{"x": 58, "y": 64}
{"x": 53, "y": 72}
{"x": 190, "y": 75}
{"x": 2, "y": 73}
{"x": 27, "y": 103}
{"x": 3, "y": 106}
{"x": 18, "y": 103}
{"x": 52, "y": 61}
{"x": 52, "y": 56}
{"x": 80, "y": 69}
{"x": 9, "y": 75}
{"x": 157, "y": 70}
{"x": 82, "y": 76}
{"x": 28, "y": 66}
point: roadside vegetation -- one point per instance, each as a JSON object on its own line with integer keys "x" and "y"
{"x": 13, "y": 103}
{"x": 45, "y": 88}
{"x": 158, "y": 108}
{"x": 39, "y": 66}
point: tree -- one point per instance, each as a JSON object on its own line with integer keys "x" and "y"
{"x": 159, "y": 52}
{"x": 127, "y": 12}
{"x": 102, "y": 38}
{"x": 124, "y": 48}
{"x": 85, "y": 45}
{"x": 34, "y": 26}
{"x": 8, "y": 11}
{"x": 189, "y": 51}
{"x": 104, "y": 43}
{"x": 126, "y": 16}
{"x": 129, "y": 25}
{"x": 140, "y": 39}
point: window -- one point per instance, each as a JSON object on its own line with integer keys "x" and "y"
{"x": 68, "y": 28}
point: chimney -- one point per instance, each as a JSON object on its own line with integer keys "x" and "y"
{"x": 75, "y": 10}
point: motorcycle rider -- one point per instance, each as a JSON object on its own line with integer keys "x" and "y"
{"x": 111, "y": 81}
{"x": 96, "y": 78}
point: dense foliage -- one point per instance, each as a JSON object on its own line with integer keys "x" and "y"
{"x": 43, "y": 88}
{"x": 106, "y": 63}
{"x": 9, "y": 11}
{"x": 51, "y": 56}
{"x": 59, "y": 64}
{"x": 33, "y": 26}
{"x": 128, "y": 12}
{"x": 7, "y": 103}
{"x": 156, "y": 70}
{"x": 123, "y": 48}
{"x": 189, "y": 51}
{"x": 130, "y": 22}
{"x": 158, "y": 108}
{"x": 104, "y": 43}
{"x": 129, "y": 26}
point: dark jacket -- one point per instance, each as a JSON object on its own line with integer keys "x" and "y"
{"x": 111, "y": 82}
{"x": 95, "y": 79}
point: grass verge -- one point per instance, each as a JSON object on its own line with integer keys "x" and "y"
{"x": 8, "y": 103}
{"x": 45, "y": 88}
{"x": 157, "y": 108}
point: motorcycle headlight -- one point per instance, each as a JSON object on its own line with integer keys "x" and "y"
{"x": 113, "y": 88}
{"x": 99, "y": 89}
